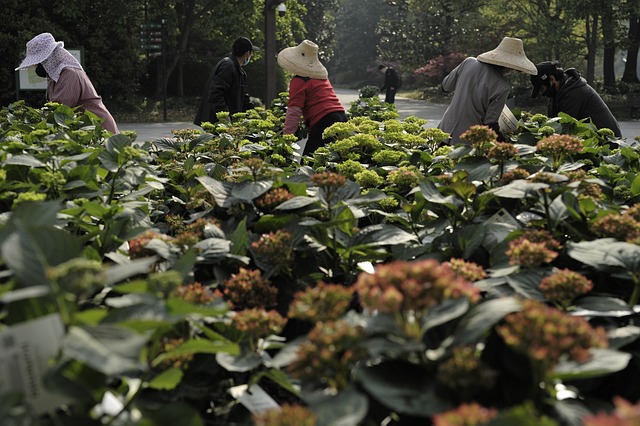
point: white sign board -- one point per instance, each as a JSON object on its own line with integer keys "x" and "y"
{"x": 28, "y": 79}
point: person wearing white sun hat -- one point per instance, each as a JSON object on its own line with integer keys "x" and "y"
{"x": 480, "y": 88}
{"x": 67, "y": 83}
{"x": 310, "y": 94}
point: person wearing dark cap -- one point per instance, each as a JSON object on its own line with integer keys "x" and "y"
{"x": 569, "y": 93}
{"x": 480, "y": 88}
{"x": 226, "y": 88}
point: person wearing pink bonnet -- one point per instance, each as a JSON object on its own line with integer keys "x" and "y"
{"x": 310, "y": 94}
{"x": 67, "y": 83}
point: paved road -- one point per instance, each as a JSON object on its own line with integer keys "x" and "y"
{"x": 406, "y": 107}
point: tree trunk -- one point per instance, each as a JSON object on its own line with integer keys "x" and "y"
{"x": 630, "y": 74}
{"x": 592, "y": 47}
{"x": 608, "y": 62}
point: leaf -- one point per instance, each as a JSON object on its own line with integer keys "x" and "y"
{"x": 110, "y": 349}
{"x": 23, "y": 160}
{"x": 248, "y": 191}
{"x": 347, "y": 408}
{"x": 288, "y": 354}
{"x": 382, "y": 235}
{"x": 526, "y": 283}
{"x": 221, "y": 191}
{"x": 29, "y": 251}
{"x": 602, "y": 363}
{"x": 605, "y": 253}
{"x": 167, "y": 380}
{"x": 242, "y": 363}
{"x": 296, "y": 203}
{"x": 197, "y": 346}
{"x": 118, "y": 273}
{"x": 431, "y": 194}
{"x": 483, "y": 317}
{"x": 469, "y": 239}
{"x": 445, "y": 312}
{"x": 517, "y": 189}
{"x": 402, "y": 387}
{"x": 601, "y": 306}
{"x": 479, "y": 169}
{"x": 635, "y": 185}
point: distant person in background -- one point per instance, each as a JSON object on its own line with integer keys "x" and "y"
{"x": 67, "y": 83}
{"x": 480, "y": 88}
{"x": 391, "y": 84}
{"x": 226, "y": 89}
{"x": 310, "y": 94}
{"x": 568, "y": 92}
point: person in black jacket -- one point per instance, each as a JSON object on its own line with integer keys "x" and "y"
{"x": 226, "y": 87}
{"x": 391, "y": 83}
{"x": 569, "y": 93}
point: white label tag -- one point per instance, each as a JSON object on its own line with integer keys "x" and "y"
{"x": 503, "y": 216}
{"x": 25, "y": 351}
{"x": 255, "y": 399}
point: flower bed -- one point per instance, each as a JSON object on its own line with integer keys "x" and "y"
{"x": 218, "y": 278}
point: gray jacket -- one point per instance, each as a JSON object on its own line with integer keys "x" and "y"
{"x": 480, "y": 93}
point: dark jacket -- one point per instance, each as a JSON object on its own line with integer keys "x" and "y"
{"x": 225, "y": 91}
{"x": 391, "y": 79}
{"x": 579, "y": 100}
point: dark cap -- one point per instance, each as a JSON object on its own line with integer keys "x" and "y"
{"x": 545, "y": 70}
{"x": 241, "y": 46}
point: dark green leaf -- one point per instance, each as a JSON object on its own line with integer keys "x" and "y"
{"x": 167, "y": 380}
{"x": 402, "y": 387}
{"x": 483, "y": 317}
{"x": 602, "y": 363}
{"x": 246, "y": 361}
{"x": 347, "y": 408}
{"x": 109, "y": 349}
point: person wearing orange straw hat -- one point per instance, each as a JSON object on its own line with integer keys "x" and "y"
{"x": 310, "y": 94}
{"x": 480, "y": 88}
{"x": 67, "y": 83}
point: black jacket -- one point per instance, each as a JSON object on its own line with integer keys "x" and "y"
{"x": 579, "y": 100}
{"x": 391, "y": 79}
{"x": 225, "y": 91}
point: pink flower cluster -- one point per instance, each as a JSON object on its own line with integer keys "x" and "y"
{"x": 275, "y": 248}
{"x": 287, "y": 415}
{"x": 249, "y": 289}
{"x": 502, "y": 151}
{"x": 532, "y": 249}
{"x": 329, "y": 355}
{"x": 545, "y": 334}
{"x": 328, "y": 179}
{"x": 623, "y": 227}
{"x": 472, "y": 414}
{"x": 564, "y": 286}
{"x": 470, "y": 271}
{"x": 324, "y": 302}
{"x": 559, "y": 145}
{"x": 402, "y": 286}
{"x": 479, "y": 135}
{"x": 625, "y": 414}
{"x": 257, "y": 323}
{"x": 195, "y": 293}
{"x": 273, "y": 198}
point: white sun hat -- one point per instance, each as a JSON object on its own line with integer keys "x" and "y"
{"x": 509, "y": 54}
{"x": 39, "y": 49}
{"x": 303, "y": 60}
